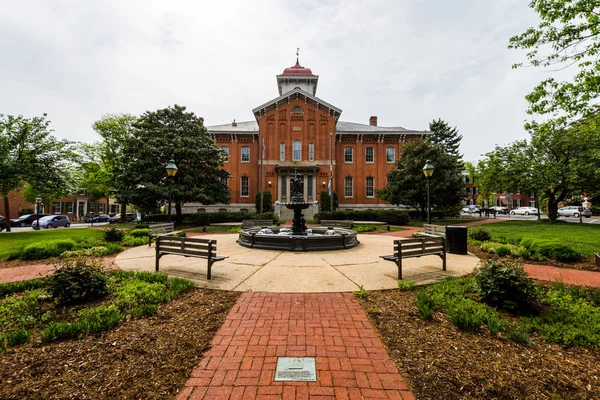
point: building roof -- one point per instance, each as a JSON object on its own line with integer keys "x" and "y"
{"x": 296, "y": 91}
{"x": 297, "y": 70}
{"x": 342, "y": 127}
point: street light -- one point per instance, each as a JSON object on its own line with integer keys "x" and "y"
{"x": 38, "y": 201}
{"x": 171, "y": 171}
{"x": 428, "y": 171}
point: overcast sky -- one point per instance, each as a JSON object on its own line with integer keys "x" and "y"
{"x": 406, "y": 61}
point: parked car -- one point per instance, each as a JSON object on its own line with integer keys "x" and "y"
{"x": 500, "y": 210}
{"x": 117, "y": 217}
{"x": 52, "y": 221}
{"x": 471, "y": 209}
{"x": 2, "y": 223}
{"x": 25, "y": 219}
{"x": 100, "y": 218}
{"x": 524, "y": 211}
{"x": 573, "y": 211}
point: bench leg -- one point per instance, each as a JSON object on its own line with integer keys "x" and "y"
{"x": 208, "y": 275}
{"x": 158, "y": 256}
{"x": 399, "y": 265}
{"x": 443, "y": 261}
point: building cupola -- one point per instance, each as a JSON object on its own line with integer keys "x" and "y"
{"x": 297, "y": 76}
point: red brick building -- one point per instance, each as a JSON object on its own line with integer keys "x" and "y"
{"x": 297, "y": 131}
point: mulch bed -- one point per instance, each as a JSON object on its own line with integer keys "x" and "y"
{"x": 441, "y": 362}
{"x": 149, "y": 358}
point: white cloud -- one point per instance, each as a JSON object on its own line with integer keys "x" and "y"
{"x": 408, "y": 62}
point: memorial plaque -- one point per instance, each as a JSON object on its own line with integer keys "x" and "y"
{"x": 296, "y": 369}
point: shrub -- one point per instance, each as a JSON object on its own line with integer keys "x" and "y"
{"x": 425, "y": 305}
{"x": 544, "y": 249}
{"x": 37, "y": 251}
{"x": 364, "y": 228}
{"x": 139, "y": 298}
{"x": 77, "y": 280}
{"x": 113, "y": 235}
{"x": 480, "y": 234}
{"x": 9, "y": 288}
{"x": 404, "y": 285}
{"x": 98, "y": 319}
{"x": 570, "y": 321}
{"x": 178, "y": 286}
{"x": 96, "y": 251}
{"x": 15, "y": 338}
{"x": 131, "y": 241}
{"x": 466, "y": 314}
{"x": 494, "y": 322}
{"x": 137, "y": 233}
{"x": 505, "y": 284}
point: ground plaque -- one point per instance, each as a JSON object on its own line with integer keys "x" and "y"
{"x": 296, "y": 369}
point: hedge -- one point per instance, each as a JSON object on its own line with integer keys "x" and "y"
{"x": 203, "y": 219}
{"x": 392, "y": 217}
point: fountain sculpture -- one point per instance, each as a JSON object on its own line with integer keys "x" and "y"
{"x": 299, "y": 237}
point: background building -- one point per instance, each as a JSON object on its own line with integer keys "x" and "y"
{"x": 297, "y": 131}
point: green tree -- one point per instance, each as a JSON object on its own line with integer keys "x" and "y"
{"x": 267, "y": 202}
{"x": 157, "y": 137}
{"x": 29, "y": 153}
{"x": 558, "y": 163}
{"x": 105, "y": 167}
{"x": 446, "y": 136}
{"x": 407, "y": 184}
{"x": 567, "y": 35}
{"x": 325, "y": 203}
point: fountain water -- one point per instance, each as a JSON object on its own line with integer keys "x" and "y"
{"x": 299, "y": 238}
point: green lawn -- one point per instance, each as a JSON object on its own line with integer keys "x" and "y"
{"x": 584, "y": 238}
{"x": 14, "y": 240}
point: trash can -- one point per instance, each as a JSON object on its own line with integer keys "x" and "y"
{"x": 456, "y": 239}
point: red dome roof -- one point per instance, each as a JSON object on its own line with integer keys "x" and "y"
{"x": 297, "y": 70}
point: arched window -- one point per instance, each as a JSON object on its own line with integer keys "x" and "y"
{"x": 297, "y": 151}
{"x": 297, "y": 110}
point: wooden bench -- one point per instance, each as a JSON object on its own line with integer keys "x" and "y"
{"x": 249, "y": 223}
{"x": 159, "y": 229}
{"x": 330, "y": 223}
{"x": 188, "y": 247}
{"x": 434, "y": 230}
{"x": 423, "y": 246}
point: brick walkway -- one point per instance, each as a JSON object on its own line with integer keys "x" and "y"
{"x": 568, "y": 276}
{"x": 352, "y": 363}
{"x": 28, "y": 272}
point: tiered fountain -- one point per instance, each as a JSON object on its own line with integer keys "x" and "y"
{"x": 299, "y": 237}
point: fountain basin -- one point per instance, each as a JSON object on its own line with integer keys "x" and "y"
{"x": 317, "y": 241}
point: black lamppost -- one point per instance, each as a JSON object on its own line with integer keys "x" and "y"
{"x": 171, "y": 171}
{"x": 428, "y": 171}
{"x": 38, "y": 202}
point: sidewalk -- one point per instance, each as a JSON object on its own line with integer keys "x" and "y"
{"x": 351, "y": 361}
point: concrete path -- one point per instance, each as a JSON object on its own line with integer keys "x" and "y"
{"x": 305, "y": 272}
{"x": 351, "y": 361}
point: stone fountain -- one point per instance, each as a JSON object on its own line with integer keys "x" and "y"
{"x": 299, "y": 237}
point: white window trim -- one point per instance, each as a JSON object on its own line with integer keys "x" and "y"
{"x": 367, "y": 186}
{"x": 294, "y": 151}
{"x": 311, "y": 152}
{"x": 352, "y": 187}
{"x": 351, "y": 155}
{"x": 242, "y": 186}
{"x": 386, "y": 155}
{"x": 242, "y": 154}
{"x": 372, "y": 148}
{"x": 281, "y": 151}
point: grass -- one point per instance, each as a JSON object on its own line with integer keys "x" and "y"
{"x": 584, "y": 238}
{"x": 9, "y": 242}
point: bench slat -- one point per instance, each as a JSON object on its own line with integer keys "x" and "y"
{"x": 418, "y": 247}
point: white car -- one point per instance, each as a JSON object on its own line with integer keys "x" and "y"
{"x": 573, "y": 211}
{"x": 524, "y": 211}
